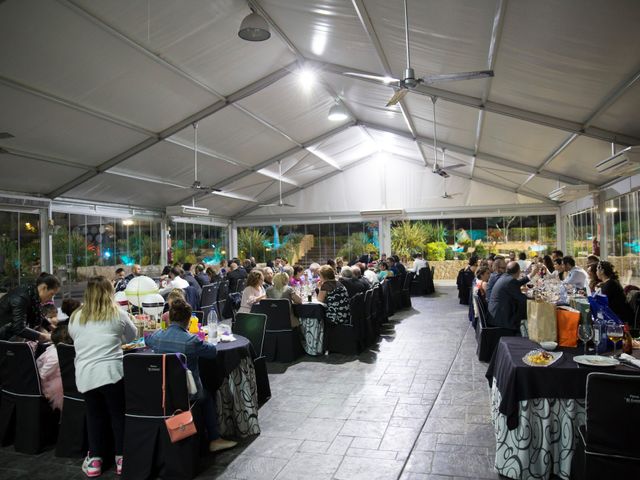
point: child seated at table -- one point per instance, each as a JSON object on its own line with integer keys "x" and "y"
{"x": 177, "y": 339}
{"x": 49, "y": 368}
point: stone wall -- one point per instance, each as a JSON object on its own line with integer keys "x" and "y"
{"x": 447, "y": 269}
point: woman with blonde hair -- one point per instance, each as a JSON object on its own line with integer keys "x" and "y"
{"x": 282, "y": 289}
{"x": 253, "y": 292}
{"x": 335, "y": 295}
{"x": 98, "y": 330}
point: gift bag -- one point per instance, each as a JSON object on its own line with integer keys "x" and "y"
{"x": 541, "y": 321}
{"x": 567, "y": 320}
{"x": 601, "y": 312}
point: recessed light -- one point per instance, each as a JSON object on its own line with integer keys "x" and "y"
{"x": 4, "y": 135}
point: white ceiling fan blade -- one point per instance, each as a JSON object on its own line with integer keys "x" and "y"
{"x": 287, "y": 205}
{"x": 268, "y": 204}
{"x": 397, "y": 96}
{"x": 378, "y": 78}
{"x": 457, "y": 165}
{"x": 454, "y": 77}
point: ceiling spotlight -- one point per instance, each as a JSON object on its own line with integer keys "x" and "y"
{"x": 254, "y": 28}
{"x": 338, "y": 113}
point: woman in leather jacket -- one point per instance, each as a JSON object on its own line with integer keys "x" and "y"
{"x": 20, "y": 314}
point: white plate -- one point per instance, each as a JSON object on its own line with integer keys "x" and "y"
{"x": 556, "y": 356}
{"x": 596, "y": 361}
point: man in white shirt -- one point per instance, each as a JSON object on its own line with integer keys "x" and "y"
{"x": 175, "y": 281}
{"x": 419, "y": 263}
{"x": 523, "y": 262}
{"x": 575, "y": 275}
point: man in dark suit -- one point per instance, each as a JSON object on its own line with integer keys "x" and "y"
{"x": 236, "y": 272}
{"x": 202, "y": 278}
{"x": 508, "y": 305}
{"x": 499, "y": 267}
{"x": 188, "y": 276}
{"x": 351, "y": 283}
{"x": 368, "y": 258}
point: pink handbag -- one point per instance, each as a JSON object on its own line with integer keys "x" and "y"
{"x": 180, "y": 425}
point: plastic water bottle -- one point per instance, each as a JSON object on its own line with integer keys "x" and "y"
{"x": 212, "y": 324}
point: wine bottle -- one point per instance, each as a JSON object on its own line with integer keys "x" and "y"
{"x": 627, "y": 341}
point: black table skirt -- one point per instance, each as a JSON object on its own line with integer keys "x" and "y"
{"x": 517, "y": 381}
{"x": 309, "y": 310}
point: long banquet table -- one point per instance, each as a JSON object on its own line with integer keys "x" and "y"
{"x": 536, "y": 411}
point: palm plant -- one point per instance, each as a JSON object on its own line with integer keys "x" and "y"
{"x": 251, "y": 243}
{"x": 408, "y": 238}
{"x": 357, "y": 244}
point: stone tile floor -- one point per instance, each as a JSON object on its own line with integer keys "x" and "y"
{"x": 416, "y": 406}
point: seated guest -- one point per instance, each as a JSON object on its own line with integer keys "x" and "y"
{"x": 223, "y": 268}
{"x": 523, "y": 262}
{"x": 234, "y": 274}
{"x": 339, "y": 264}
{"x": 136, "y": 271}
{"x": 267, "y": 273}
{"x": 247, "y": 265}
{"x": 98, "y": 330}
{"x": 201, "y": 276}
{"x": 332, "y": 264}
{"x": 401, "y": 269}
{"x": 384, "y": 271}
{"x": 175, "y": 294}
{"x": 351, "y": 283}
{"x": 175, "y": 281}
{"x": 370, "y": 274}
{"x": 593, "y": 260}
{"x": 499, "y": 267}
{"x": 480, "y": 287}
{"x": 297, "y": 279}
{"x": 549, "y": 265}
{"x": 253, "y": 292}
{"x": 120, "y": 282}
{"x": 288, "y": 269}
{"x": 177, "y": 339}
{"x": 188, "y": 276}
{"x": 357, "y": 274}
{"x": 594, "y": 280}
{"x": 575, "y": 275}
{"x": 558, "y": 269}
{"x": 69, "y": 305}
{"x": 391, "y": 261}
{"x": 612, "y": 288}
{"x": 49, "y": 368}
{"x": 281, "y": 289}
{"x": 557, "y": 254}
{"x": 312, "y": 272}
{"x": 213, "y": 275}
{"x": 368, "y": 258}
{"x": 419, "y": 263}
{"x": 507, "y": 304}
{"x": 335, "y": 296}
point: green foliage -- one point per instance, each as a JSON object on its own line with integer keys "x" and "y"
{"x": 436, "y": 250}
{"x": 8, "y": 255}
{"x": 449, "y": 254}
{"x": 357, "y": 244}
{"x": 480, "y": 249}
{"x": 290, "y": 245}
{"x": 251, "y": 243}
{"x": 408, "y": 238}
{"x": 434, "y": 232}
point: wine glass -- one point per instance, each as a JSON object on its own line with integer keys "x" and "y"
{"x": 615, "y": 333}
{"x": 585, "y": 333}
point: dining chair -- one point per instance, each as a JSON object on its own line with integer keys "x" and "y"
{"x": 148, "y": 450}
{"x": 347, "y": 339}
{"x": 209, "y": 299}
{"x": 253, "y": 326}
{"x": 282, "y": 342}
{"x": 26, "y": 419}
{"x": 609, "y": 444}
{"x": 487, "y": 337}
{"x": 72, "y": 436}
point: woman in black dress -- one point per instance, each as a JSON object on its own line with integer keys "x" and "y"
{"x": 612, "y": 288}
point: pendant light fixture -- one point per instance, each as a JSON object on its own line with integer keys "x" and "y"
{"x": 338, "y": 112}
{"x": 254, "y": 28}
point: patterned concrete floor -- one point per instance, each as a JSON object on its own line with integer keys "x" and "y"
{"x": 414, "y": 407}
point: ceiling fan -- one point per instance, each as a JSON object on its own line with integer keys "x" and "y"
{"x": 437, "y": 169}
{"x": 197, "y": 185}
{"x": 445, "y": 176}
{"x": 409, "y": 81}
{"x": 280, "y": 202}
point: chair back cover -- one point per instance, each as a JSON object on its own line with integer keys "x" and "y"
{"x": 613, "y": 414}
{"x": 66, "y": 360}
{"x": 192, "y": 295}
{"x": 18, "y": 369}
{"x": 357, "y": 309}
{"x": 277, "y": 312}
{"x": 253, "y": 327}
{"x": 143, "y": 384}
{"x": 240, "y": 284}
{"x": 209, "y": 298}
{"x": 223, "y": 296}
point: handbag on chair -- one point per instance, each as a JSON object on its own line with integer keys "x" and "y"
{"x": 180, "y": 424}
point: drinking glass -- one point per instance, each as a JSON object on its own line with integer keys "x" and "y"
{"x": 585, "y": 333}
{"x": 615, "y": 333}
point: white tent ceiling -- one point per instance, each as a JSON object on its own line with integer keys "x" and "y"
{"x": 101, "y": 98}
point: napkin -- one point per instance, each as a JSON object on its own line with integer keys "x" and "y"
{"x": 227, "y": 338}
{"x": 629, "y": 358}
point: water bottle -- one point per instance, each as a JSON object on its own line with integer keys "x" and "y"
{"x": 598, "y": 325}
{"x": 212, "y": 324}
{"x": 563, "y": 294}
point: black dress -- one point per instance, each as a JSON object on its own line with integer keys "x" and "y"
{"x": 617, "y": 299}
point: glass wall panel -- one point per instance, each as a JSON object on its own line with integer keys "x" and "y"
{"x": 19, "y": 248}
{"x": 308, "y": 243}
{"x": 534, "y": 234}
{"x": 623, "y": 228}
{"x": 582, "y": 229}
{"x": 193, "y": 243}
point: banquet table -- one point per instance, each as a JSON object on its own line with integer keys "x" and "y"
{"x": 536, "y": 411}
{"x": 311, "y": 316}
{"x": 233, "y": 377}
